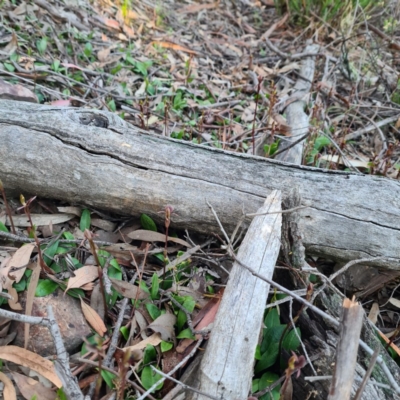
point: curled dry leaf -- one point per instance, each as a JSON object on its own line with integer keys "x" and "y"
{"x": 13, "y": 302}
{"x": 164, "y": 325}
{"x": 154, "y": 340}
{"x": 30, "y": 387}
{"x": 150, "y": 236}
{"x": 93, "y": 319}
{"x": 83, "y": 275}
{"x": 8, "y": 390}
{"x": 128, "y": 290}
{"x": 31, "y": 360}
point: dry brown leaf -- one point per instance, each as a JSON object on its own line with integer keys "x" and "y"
{"x": 40, "y": 219}
{"x": 154, "y": 340}
{"x": 30, "y": 387}
{"x": 12, "y": 45}
{"x": 9, "y": 392}
{"x": 20, "y": 356}
{"x": 16, "y": 266}
{"x": 128, "y": 289}
{"x": 97, "y": 301}
{"x": 174, "y": 46}
{"x": 84, "y": 275}
{"x": 13, "y": 302}
{"x": 150, "y": 236}
{"x": 30, "y": 296}
{"x": 71, "y": 210}
{"x": 373, "y": 313}
{"x": 164, "y": 325}
{"x": 195, "y": 8}
{"x": 93, "y": 319}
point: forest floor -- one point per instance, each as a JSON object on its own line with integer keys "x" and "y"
{"x": 214, "y": 73}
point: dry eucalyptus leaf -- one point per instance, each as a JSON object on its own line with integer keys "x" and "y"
{"x": 154, "y": 340}
{"x": 97, "y": 301}
{"x": 13, "y": 302}
{"x": 164, "y": 325}
{"x": 9, "y": 392}
{"x": 30, "y": 387}
{"x": 14, "y": 270}
{"x": 31, "y": 360}
{"x": 93, "y": 319}
{"x": 83, "y": 275}
{"x": 128, "y": 289}
{"x": 150, "y": 236}
{"x": 40, "y": 219}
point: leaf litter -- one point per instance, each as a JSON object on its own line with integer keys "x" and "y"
{"x": 189, "y": 72}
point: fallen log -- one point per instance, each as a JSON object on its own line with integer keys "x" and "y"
{"x": 97, "y": 159}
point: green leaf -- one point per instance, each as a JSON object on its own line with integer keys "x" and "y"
{"x": 108, "y": 378}
{"x": 41, "y": 45}
{"x": 147, "y": 223}
{"x": 68, "y": 236}
{"x": 153, "y": 311}
{"x": 269, "y": 347}
{"x": 149, "y": 355}
{"x": 291, "y": 341}
{"x": 321, "y": 142}
{"x": 272, "y": 318}
{"x": 111, "y": 104}
{"x": 45, "y": 287}
{"x": 3, "y": 228}
{"x": 55, "y": 65}
{"x": 85, "y": 220}
{"x": 76, "y": 293}
{"x": 20, "y": 286}
{"x": 186, "y": 334}
{"x": 189, "y": 305}
{"x": 49, "y": 252}
{"x": 125, "y": 332}
{"x": 61, "y": 395}
{"x": 93, "y": 340}
{"x": 166, "y": 346}
{"x": 88, "y": 50}
{"x": 155, "y": 285}
{"x": 144, "y": 287}
{"x": 254, "y": 385}
{"x": 149, "y": 377}
{"x": 271, "y": 335}
{"x": 267, "y": 380}
{"x": 9, "y": 67}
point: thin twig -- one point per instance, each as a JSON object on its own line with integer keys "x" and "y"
{"x": 364, "y": 382}
{"x": 353, "y": 262}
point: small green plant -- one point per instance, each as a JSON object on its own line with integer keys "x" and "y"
{"x": 335, "y": 12}
{"x": 276, "y": 336}
{"x": 270, "y": 149}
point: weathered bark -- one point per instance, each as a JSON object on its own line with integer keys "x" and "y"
{"x": 60, "y": 153}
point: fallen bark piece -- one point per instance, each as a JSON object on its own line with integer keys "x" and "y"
{"x": 346, "y": 351}
{"x": 227, "y": 366}
{"x": 97, "y": 159}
